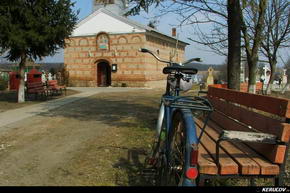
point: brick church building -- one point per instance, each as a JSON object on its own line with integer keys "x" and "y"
{"x": 103, "y": 50}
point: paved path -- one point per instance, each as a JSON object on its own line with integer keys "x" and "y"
{"x": 15, "y": 115}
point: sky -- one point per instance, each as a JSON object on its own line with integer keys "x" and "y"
{"x": 165, "y": 25}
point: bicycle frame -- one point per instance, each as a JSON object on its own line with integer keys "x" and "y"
{"x": 169, "y": 108}
{"x": 172, "y": 103}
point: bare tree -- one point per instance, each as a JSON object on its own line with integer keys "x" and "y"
{"x": 214, "y": 14}
{"x": 277, "y": 30}
{"x": 253, "y": 36}
{"x": 234, "y": 44}
{"x": 224, "y": 16}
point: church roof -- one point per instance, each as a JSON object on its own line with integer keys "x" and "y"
{"x": 111, "y": 23}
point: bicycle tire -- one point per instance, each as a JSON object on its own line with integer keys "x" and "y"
{"x": 182, "y": 133}
{"x": 159, "y": 154}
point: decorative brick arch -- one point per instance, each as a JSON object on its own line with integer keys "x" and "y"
{"x": 103, "y": 72}
{"x": 84, "y": 42}
{"x": 70, "y": 42}
{"x": 122, "y": 40}
{"x": 103, "y": 41}
{"x": 136, "y": 39}
{"x": 103, "y": 59}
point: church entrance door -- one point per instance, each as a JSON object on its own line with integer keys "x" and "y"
{"x": 104, "y": 74}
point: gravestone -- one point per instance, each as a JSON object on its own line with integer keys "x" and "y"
{"x": 266, "y": 75}
{"x": 209, "y": 79}
{"x": 49, "y": 76}
{"x": 284, "y": 77}
{"x": 43, "y": 77}
{"x": 25, "y": 77}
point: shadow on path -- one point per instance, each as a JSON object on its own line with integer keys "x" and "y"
{"x": 113, "y": 112}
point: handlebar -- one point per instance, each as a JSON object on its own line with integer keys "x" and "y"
{"x": 144, "y": 50}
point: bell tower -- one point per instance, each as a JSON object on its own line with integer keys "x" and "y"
{"x": 118, "y": 7}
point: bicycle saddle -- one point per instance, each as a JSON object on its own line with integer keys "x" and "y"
{"x": 178, "y": 68}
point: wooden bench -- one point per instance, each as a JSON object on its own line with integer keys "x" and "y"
{"x": 259, "y": 87}
{"x": 243, "y": 87}
{"x": 247, "y": 136}
{"x": 55, "y": 88}
{"x": 37, "y": 88}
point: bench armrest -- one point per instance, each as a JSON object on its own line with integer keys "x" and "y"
{"x": 242, "y": 136}
{"x": 248, "y": 137}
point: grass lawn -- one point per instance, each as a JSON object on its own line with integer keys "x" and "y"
{"x": 8, "y": 100}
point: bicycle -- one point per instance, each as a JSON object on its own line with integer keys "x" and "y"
{"x": 174, "y": 156}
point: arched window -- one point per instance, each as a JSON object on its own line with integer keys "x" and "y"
{"x": 103, "y": 42}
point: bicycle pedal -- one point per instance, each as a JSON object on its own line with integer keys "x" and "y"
{"x": 149, "y": 174}
{"x": 151, "y": 161}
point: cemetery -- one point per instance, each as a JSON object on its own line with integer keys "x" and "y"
{"x": 128, "y": 107}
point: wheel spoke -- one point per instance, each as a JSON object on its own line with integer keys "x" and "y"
{"x": 177, "y": 154}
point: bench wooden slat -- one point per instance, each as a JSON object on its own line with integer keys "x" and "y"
{"x": 286, "y": 132}
{"x": 246, "y": 165}
{"x": 255, "y": 120}
{"x": 227, "y": 123}
{"x": 36, "y": 88}
{"x": 266, "y": 167}
{"x": 205, "y": 162}
{"x": 54, "y": 84}
{"x": 226, "y": 164}
{"x": 275, "y": 153}
{"x": 277, "y": 106}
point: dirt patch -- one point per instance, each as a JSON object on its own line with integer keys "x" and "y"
{"x": 8, "y": 100}
{"x": 101, "y": 140}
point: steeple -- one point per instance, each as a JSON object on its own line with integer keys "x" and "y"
{"x": 116, "y": 6}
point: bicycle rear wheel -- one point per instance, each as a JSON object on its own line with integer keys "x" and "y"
{"x": 176, "y": 160}
{"x": 182, "y": 136}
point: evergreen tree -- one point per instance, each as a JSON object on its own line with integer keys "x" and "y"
{"x": 34, "y": 29}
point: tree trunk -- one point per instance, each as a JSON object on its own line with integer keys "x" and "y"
{"x": 285, "y": 88}
{"x": 273, "y": 70}
{"x": 21, "y": 91}
{"x": 252, "y": 75}
{"x": 252, "y": 53}
{"x": 234, "y": 47}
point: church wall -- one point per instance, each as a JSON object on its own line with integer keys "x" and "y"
{"x": 82, "y": 56}
{"x": 135, "y": 69}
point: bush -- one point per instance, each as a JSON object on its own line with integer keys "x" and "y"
{"x": 3, "y": 84}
